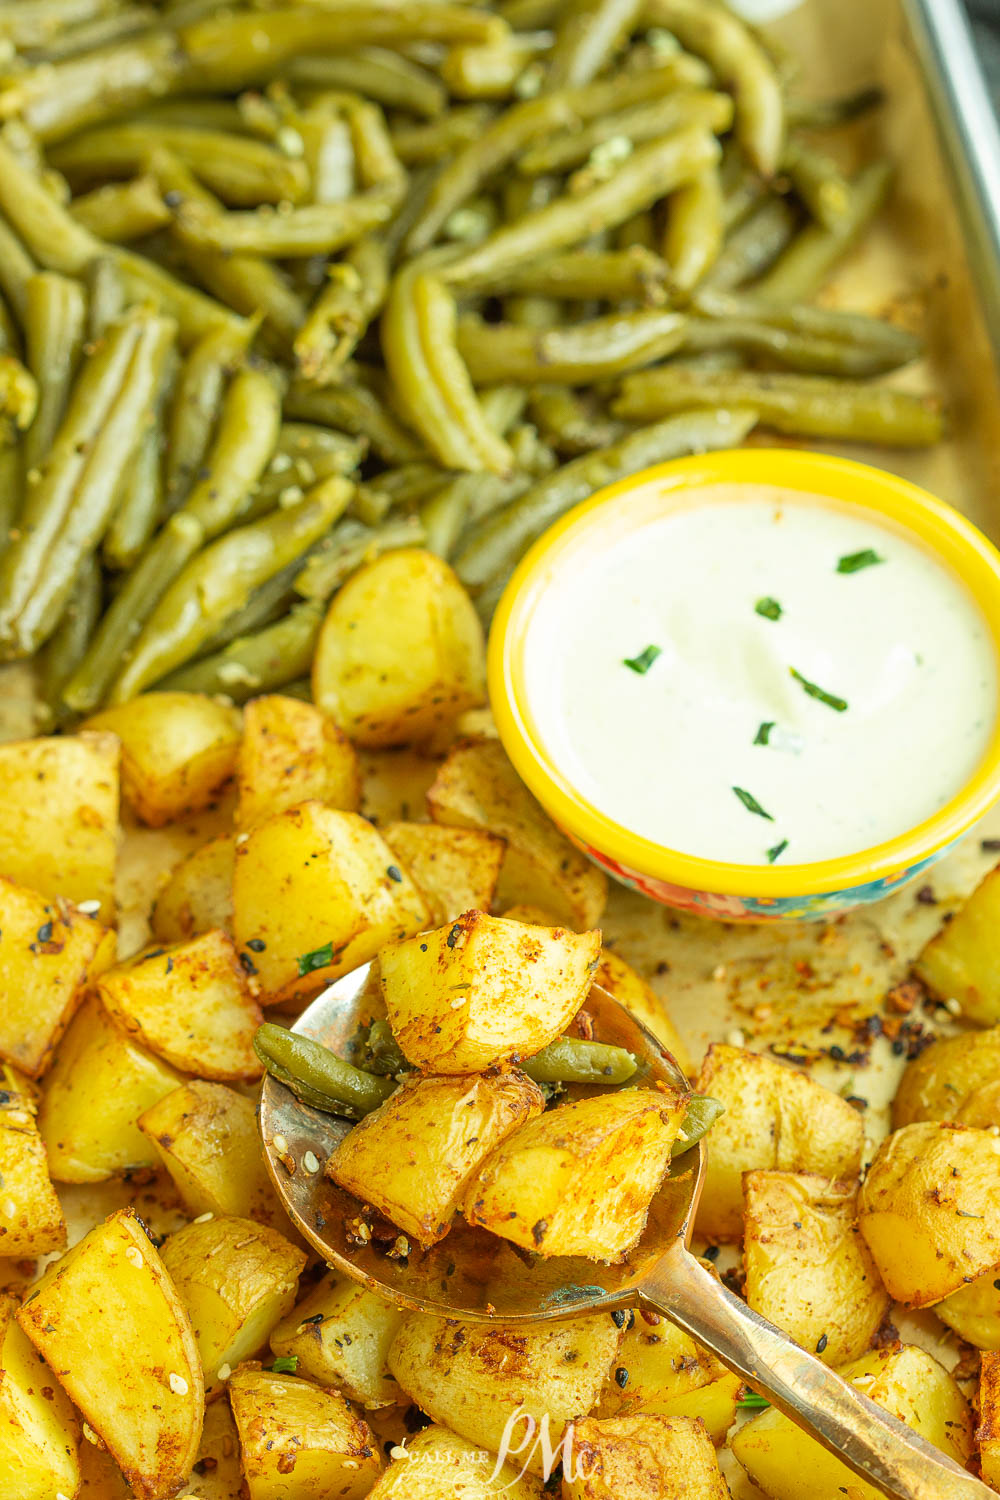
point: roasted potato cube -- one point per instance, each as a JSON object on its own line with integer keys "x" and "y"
{"x": 439, "y": 1465}
{"x": 472, "y": 1377}
{"x": 629, "y": 988}
{"x": 39, "y": 1430}
{"x": 662, "y": 1362}
{"x": 315, "y": 893}
{"x": 292, "y": 752}
{"x": 217, "y": 1474}
{"x": 988, "y": 1431}
{"x": 199, "y": 894}
{"x": 774, "y": 1117}
{"x": 401, "y": 651}
{"x": 107, "y": 1319}
{"x": 962, "y": 962}
{"x": 49, "y": 955}
{"x": 929, "y": 1210}
{"x": 93, "y": 1096}
{"x": 645, "y": 1458}
{"x": 974, "y": 1311}
{"x": 190, "y": 1004}
{"x": 299, "y": 1442}
{"x": 414, "y": 1156}
{"x": 59, "y": 817}
{"x": 482, "y": 991}
{"x": 178, "y": 749}
{"x": 579, "y": 1180}
{"x": 477, "y": 787}
{"x": 956, "y": 1078}
{"x": 808, "y": 1269}
{"x": 341, "y": 1335}
{"x": 715, "y": 1404}
{"x": 456, "y": 869}
{"x": 31, "y": 1219}
{"x": 787, "y": 1464}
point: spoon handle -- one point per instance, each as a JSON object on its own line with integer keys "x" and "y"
{"x": 878, "y": 1447}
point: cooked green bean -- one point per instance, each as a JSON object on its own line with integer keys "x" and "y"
{"x": 347, "y": 548}
{"x": 32, "y": 23}
{"x": 18, "y": 397}
{"x": 105, "y": 295}
{"x": 575, "y": 355}
{"x": 357, "y": 410}
{"x": 572, "y": 1060}
{"x": 408, "y": 484}
{"x": 196, "y": 314}
{"x": 102, "y": 31}
{"x": 137, "y": 511}
{"x": 382, "y": 1052}
{"x": 805, "y": 405}
{"x": 632, "y": 275}
{"x": 122, "y": 211}
{"x": 416, "y": 145}
{"x": 195, "y": 407}
{"x": 377, "y": 163}
{"x": 818, "y": 181}
{"x": 806, "y": 352}
{"x": 630, "y": 128}
{"x": 637, "y": 232}
{"x": 355, "y": 292}
{"x": 269, "y": 602}
{"x": 16, "y": 268}
{"x": 489, "y": 71}
{"x": 54, "y": 322}
{"x": 47, "y": 230}
{"x": 65, "y": 648}
{"x": 318, "y": 1076}
{"x": 824, "y": 114}
{"x": 566, "y": 420}
{"x": 804, "y": 266}
{"x": 259, "y": 663}
{"x": 386, "y": 77}
{"x": 694, "y": 233}
{"x": 309, "y": 229}
{"x": 530, "y": 15}
{"x": 754, "y": 244}
{"x": 702, "y": 1113}
{"x": 896, "y": 346}
{"x": 11, "y": 486}
{"x": 588, "y": 35}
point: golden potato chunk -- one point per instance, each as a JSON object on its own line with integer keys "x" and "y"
{"x": 439, "y": 1465}
{"x": 465, "y": 1375}
{"x": 929, "y": 1210}
{"x": 299, "y": 1442}
{"x": 59, "y": 817}
{"x": 50, "y": 953}
{"x": 401, "y": 651}
{"x": 107, "y": 1319}
{"x": 579, "y": 1180}
{"x": 292, "y": 752}
{"x": 31, "y": 1219}
{"x": 92, "y": 1099}
{"x": 956, "y": 1078}
{"x": 788, "y": 1464}
{"x": 774, "y": 1117}
{"x": 645, "y": 1458}
{"x": 101, "y": 1478}
{"x": 974, "y": 1311}
{"x": 662, "y": 1362}
{"x": 483, "y": 991}
{"x": 316, "y": 892}
{"x": 199, "y": 894}
{"x": 190, "y": 1004}
{"x": 716, "y": 1404}
{"x": 456, "y": 869}
{"x": 414, "y": 1156}
{"x": 178, "y": 749}
{"x": 962, "y": 962}
{"x": 629, "y": 988}
{"x": 341, "y": 1335}
{"x": 477, "y": 787}
{"x": 217, "y": 1474}
{"x": 988, "y": 1431}
{"x": 39, "y": 1430}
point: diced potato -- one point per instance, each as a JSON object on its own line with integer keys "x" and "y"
{"x": 483, "y": 991}
{"x": 974, "y": 1311}
{"x": 579, "y": 1180}
{"x": 787, "y": 1464}
{"x": 199, "y": 894}
{"x": 107, "y": 1319}
{"x": 808, "y": 1269}
{"x": 316, "y": 892}
{"x": 715, "y": 1404}
{"x": 217, "y": 1474}
{"x": 414, "y": 1156}
{"x": 39, "y": 1430}
{"x": 956, "y": 1078}
{"x": 929, "y": 1210}
{"x": 455, "y": 868}
{"x": 466, "y": 1375}
{"x": 190, "y": 1004}
{"x": 774, "y": 1117}
{"x": 59, "y": 817}
{"x": 645, "y": 1458}
{"x": 178, "y": 750}
{"x": 641, "y": 1000}
{"x": 205, "y": 1134}
{"x": 401, "y": 651}
{"x": 341, "y": 1335}
{"x": 988, "y": 1431}
{"x": 299, "y": 1442}
{"x": 31, "y": 1219}
{"x": 93, "y": 1096}
{"x": 962, "y": 962}
{"x": 49, "y": 954}
{"x": 439, "y": 1465}
{"x": 292, "y": 752}
{"x": 477, "y": 787}
{"x": 662, "y": 1362}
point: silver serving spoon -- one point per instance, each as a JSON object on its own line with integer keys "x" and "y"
{"x": 475, "y": 1276}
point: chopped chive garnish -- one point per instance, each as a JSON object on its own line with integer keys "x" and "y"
{"x": 643, "y": 661}
{"x": 763, "y": 735}
{"x": 769, "y": 608}
{"x": 776, "y": 850}
{"x": 855, "y": 561}
{"x": 285, "y": 1364}
{"x": 752, "y": 1402}
{"x": 751, "y": 804}
{"x": 317, "y": 959}
{"x": 830, "y": 699}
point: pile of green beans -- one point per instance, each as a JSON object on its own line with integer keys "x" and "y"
{"x": 284, "y": 285}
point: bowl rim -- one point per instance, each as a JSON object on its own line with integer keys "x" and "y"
{"x": 905, "y": 506}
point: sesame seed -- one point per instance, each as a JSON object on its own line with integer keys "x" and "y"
{"x": 178, "y": 1385}
{"x": 89, "y": 908}
{"x": 310, "y": 1162}
{"x": 398, "y": 1452}
{"x": 224, "y": 1372}
{"x": 280, "y": 1145}
{"x": 134, "y": 1257}
{"x": 203, "y": 1218}
{"x": 9, "y": 1208}
{"x": 719, "y": 972}
{"x": 735, "y": 1038}
{"x": 953, "y": 1007}
{"x": 91, "y": 1435}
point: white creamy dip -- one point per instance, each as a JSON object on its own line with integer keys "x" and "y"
{"x": 662, "y": 751}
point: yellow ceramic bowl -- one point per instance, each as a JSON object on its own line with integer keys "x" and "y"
{"x": 712, "y": 887}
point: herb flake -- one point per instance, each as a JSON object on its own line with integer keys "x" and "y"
{"x": 643, "y": 661}
{"x": 751, "y": 804}
{"x": 317, "y": 959}
{"x": 763, "y": 735}
{"x": 752, "y": 1402}
{"x": 769, "y": 608}
{"x": 285, "y": 1364}
{"x": 855, "y": 561}
{"x": 776, "y": 850}
{"x": 820, "y": 694}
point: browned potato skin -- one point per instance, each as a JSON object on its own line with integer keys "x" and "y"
{"x": 663, "y": 1362}
{"x": 808, "y": 1269}
{"x": 50, "y": 954}
{"x": 414, "y": 1157}
{"x": 974, "y": 1311}
{"x": 455, "y": 868}
{"x": 962, "y": 961}
{"x": 645, "y": 1458}
{"x": 439, "y": 1465}
{"x": 988, "y": 1431}
{"x": 31, "y": 1219}
{"x": 288, "y": 1427}
{"x": 178, "y": 749}
{"x": 349, "y": 1346}
{"x": 39, "y": 1430}
{"x": 199, "y": 893}
{"x": 956, "y": 1078}
{"x": 292, "y": 752}
{"x": 929, "y": 1210}
{"x": 774, "y": 1118}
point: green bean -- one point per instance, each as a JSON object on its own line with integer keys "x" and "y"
{"x": 354, "y": 409}
{"x": 742, "y": 189}
{"x": 531, "y": 452}
{"x": 813, "y": 340}
{"x": 311, "y": 452}
{"x": 66, "y": 646}
{"x": 259, "y": 663}
{"x": 574, "y": 355}
{"x": 122, "y": 211}
{"x": 416, "y": 145}
{"x": 354, "y": 294}
{"x": 694, "y": 233}
{"x": 195, "y": 406}
{"x": 370, "y": 504}
{"x": 503, "y": 406}
{"x": 569, "y": 423}
{"x": 31, "y": 23}
{"x": 317, "y": 1076}
{"x": 805, "y": 405}
{"x": 572, "y": 1060}
{"x": 383, "y": 1053}
{"x": 384, "y": 76}
{"x": 105, "y": 296}
{"x": 824, "y": 114}
{"x": 702, "y": 1113}
{"x": 490, "y": 71}
{"x": 630, "y": 127}
{"x": 754, "y": 245}
{"x": 588, "y": 35}
{"x": 494, "y": 547}
{"x": 137, "y": 512}
{"x": 811, "y": 256}
{"x": 310, "y": 229}
{"x": 818, "y": 182}
{"x": 897, "y": 346}
{"x": 54, "y": 321}
{"x": 48, "y": 231}
{"x": 196, "y": 314}
{"x": 632, "y": 275}
{"x": 16, "y": 268}
{"x": 637, "y": 232}
{"x": 11, "y": 487}
{"x": 18, "y": 397}
{"x": 101, "y": 32}
{"x": 739, "y": 62}
{"x": 347, "y": 548}
{"x": 269, "y": 602}
{"x": 408, "y": 484}
{"x": 377, "y": 162}
{"x": 530, "y": 15}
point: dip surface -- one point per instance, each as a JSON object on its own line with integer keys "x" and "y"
{"x": 659, "y": 673}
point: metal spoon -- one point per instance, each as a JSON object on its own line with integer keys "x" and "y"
{"x": 475, "y": 1276}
